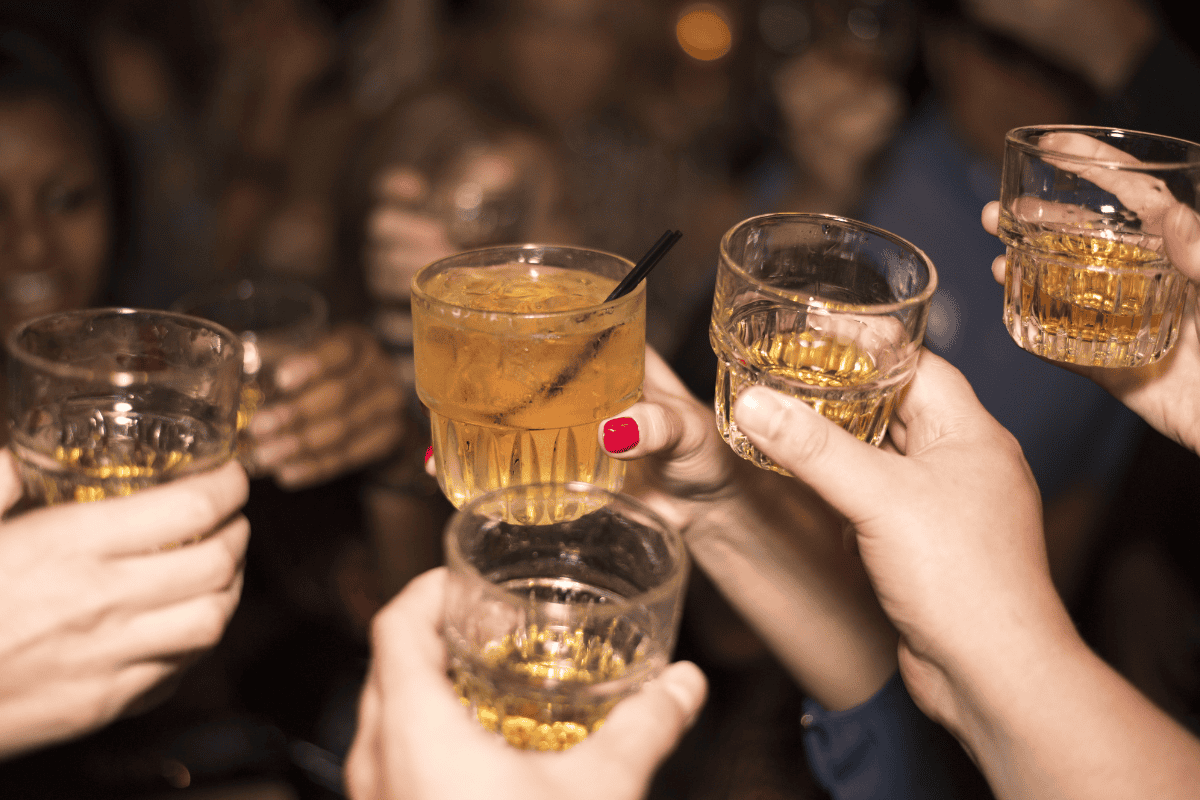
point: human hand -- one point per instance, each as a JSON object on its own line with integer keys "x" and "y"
{"x": 774, "y": 549}
{"x": 1167, "y": 393}
{"x": 948, "y": 524}
{"x": 400, "y": 238}
{"x": 415, "y": 740}
{"x": 101, "y": 605}
{"x": 338, "y": 408}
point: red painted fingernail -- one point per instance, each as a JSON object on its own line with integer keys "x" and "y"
{"x": 621, "y": 434}
{"x": 428, "y": 453}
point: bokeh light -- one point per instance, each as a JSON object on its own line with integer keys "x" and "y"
{"x": 704, "y": 33}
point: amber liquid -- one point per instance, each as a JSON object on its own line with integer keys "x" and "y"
{"x": 838, "y": 377}
{"x": 1090, "y": 299}
{"x": 518, "y": 399}
{"x": 84, "y": 451}
{"x": 548, "y": 688}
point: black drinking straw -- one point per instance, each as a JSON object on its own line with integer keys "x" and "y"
{"x": 646, "y": 263}
{"x": 627, "y": 284}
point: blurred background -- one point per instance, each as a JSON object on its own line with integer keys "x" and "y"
{"x": 346, "y": 143}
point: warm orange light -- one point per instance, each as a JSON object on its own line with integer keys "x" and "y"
{"x": 703, "y": 33}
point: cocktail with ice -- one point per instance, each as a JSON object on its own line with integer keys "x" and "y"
{"x": 519, "y": 358}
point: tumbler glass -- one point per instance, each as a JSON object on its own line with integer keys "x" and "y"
{"x": 562, "y": 599}
{"x": 822, "y": 308}
{"x": 274, "y": 318}
{"x": 104, "y": 402}
{"x": 519, "y": 358}
{"x": 1081, "y": 211}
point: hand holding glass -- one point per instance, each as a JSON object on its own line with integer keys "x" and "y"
{"x": 822, "y": 308}
{"x": 275, "y": 318}
{"x": 561, "y": 600}
{"x": 103, "y": 402}
{"x": 1081, "y": 209}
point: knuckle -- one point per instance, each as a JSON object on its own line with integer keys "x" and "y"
{"x": 102, "y": 701}
{"x": 808, "y": 444}
{"x": 202, "y": 509}
{"x": 381, "y": 626}
{"x": 210, "y": 623}
{"x": 222, "y": 566}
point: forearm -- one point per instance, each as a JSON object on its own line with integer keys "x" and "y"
{"x": 806, "y": 595}
{"x": 1051, "y": 720}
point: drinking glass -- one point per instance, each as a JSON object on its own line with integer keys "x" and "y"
{"x": 561, "y": 600}
{"x": 519, "y": 359}
{"x": 104, "y": 402}
{"x": 1081, "y": 211}
{"x": 822, "y": 308}
{"x": 274, "y": 318}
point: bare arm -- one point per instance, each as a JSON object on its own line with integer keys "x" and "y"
{"x": 949, "y": 529}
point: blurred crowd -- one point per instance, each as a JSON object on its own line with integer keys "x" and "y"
{"x": 149, "y": 148}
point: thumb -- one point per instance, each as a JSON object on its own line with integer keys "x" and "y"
{"x": 833, "y": 462}
{"x": 1182, "y": 239}
{"x": 642, "y": 730}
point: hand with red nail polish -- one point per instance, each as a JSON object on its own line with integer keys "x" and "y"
{"x": 773, "y": 548}
{"x": 1167, "y": 393}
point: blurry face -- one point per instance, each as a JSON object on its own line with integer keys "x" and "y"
{"x": 54, "y": 214}
{"x": 559, "y": 69}
{"x": 840, "y": 111}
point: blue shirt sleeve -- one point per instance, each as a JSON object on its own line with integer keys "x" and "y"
{"x": 886, "y": 749}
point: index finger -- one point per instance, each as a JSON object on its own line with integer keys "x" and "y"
{"x": 669, "y": 423}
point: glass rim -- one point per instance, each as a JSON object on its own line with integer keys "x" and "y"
{"x": 232, "y": 291}
{"x": 63, "y": 370}
{"x": 816, "y": 302}
{"x": 456, "y": 561}
{"x": 417, "y": 291}
{"x": 1017, "y": 139}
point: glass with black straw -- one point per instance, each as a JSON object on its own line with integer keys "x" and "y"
{"x": 521, "y": 352}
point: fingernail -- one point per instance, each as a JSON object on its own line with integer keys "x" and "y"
{"x": 756, "y": 409}
{"x": 428, "y": 453}
{"x": 621, "y": 434}
{"x": 294, "y": 373}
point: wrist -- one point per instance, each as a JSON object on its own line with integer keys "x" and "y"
{"x": 1019, "y": 661}
{"x": 791, "y": 577}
